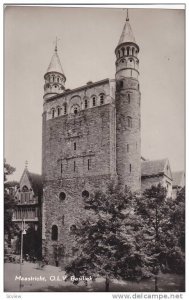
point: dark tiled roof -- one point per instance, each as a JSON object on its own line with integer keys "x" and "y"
{"x": 177, "y": 178}
{"x": 153, "y": 167}
{"x": 36, "y": 182}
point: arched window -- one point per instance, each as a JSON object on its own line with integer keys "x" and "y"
{"x": 62, "y": 196}
{"x": 123, "y": 51}
{"x": 127, "y": 51}
{"x": 129, "y": 98}
{"x": 65, "y": 108}
{"x": 59, "y": 110}
{"x": 94, "y": 101}
{"x": 129, "y": 122}
{"x": 75, "y": 110}
{"x": 53, "y": 113}
{"x": 53, "y": 78}
{"x": 101, "y": 99}
{"x": 54, "y": 233}
{"x": 58, "y": 79}
{"x": 133, "y": 51}
{"x": 86, "y": 103}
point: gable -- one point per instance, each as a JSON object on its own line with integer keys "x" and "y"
{"x": 24, "y": 181}
{"x": 167, "y": 170}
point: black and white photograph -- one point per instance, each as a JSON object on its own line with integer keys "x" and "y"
{"x": 94, "y": 149}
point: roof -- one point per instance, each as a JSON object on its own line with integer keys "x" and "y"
{"x": 127, "y": 34}
{"x": 178, "y": 178}
{"x": 55, "y": 64}
{"x": 36, "y": 183}
{"x": 153, "y": 167}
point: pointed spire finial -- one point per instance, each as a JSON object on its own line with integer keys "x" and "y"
{"x": 26, "y": 164}
{"x": 56, "y": 44}
{"x": 127, "y": 18}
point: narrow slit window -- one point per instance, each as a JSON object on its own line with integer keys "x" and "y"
{"x": 101, "y": 99}
{"x": 94, "y": 101}
{"x": 59, "y": 111}
{"x": 54, "y": 233}
{"x": 129, "y": 98}
{"x": 65, "y": 108}
{"x": 53, "y": 113}
{"x": 89, "y": 164}
{"x": 130, "y": 167}
{"x": 74, "y": 166}
{"x": 86, "y": 103}
{"x": 74, "y": 145}
{"x": 61, "y": 168}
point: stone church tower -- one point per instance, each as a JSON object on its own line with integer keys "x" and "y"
{"x": 128, "y": 133}
{"x": 91, "y": 135}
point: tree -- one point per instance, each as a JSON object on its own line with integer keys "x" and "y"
{"x": 110, "y": 238}
{"x": 8, "y": 170}
{"x": 159, "y": 214}
{"x": 176, "y": 254}
{"x": 10, "y": 228}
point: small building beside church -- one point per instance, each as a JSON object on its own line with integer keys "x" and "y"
{"x": 27, "y": 214}
{"x": 154, "y": 172}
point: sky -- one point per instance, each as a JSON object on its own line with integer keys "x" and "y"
{"x": 87, "y": 40}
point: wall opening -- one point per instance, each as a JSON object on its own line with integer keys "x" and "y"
{"x": 85, "y": 194}
{"x": 54, "y": 233}
{"x": 62, "y": 196}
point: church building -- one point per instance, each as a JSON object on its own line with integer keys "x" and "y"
{"x": 91, "y": 135}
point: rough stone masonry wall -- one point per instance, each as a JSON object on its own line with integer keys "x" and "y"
{"x": 128, "y": 139}
{"x": 65, "y": 213}
{"x": 93, "y": 134}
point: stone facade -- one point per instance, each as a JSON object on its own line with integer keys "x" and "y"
{"x": 91, "y": 135}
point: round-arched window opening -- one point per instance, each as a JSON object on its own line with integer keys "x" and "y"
{"x": 62, "y": 196}
{"x": 122, "y": 61}
{"x": 75, "y": 111}
{"x": 131, "y": 60}
{"x": 85, "y": 194}
{"x": 54, "y": 233}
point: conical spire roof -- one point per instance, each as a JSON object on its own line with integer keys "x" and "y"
{"x": 55, "y": 64}
{"x": 127, "y": 33}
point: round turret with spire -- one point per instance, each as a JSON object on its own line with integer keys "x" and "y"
{"x": 128, "y": 141}
{"x": 126, "y": 53}
{"x": 54, "y": 77}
